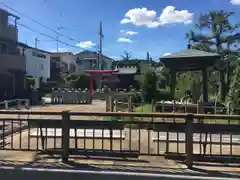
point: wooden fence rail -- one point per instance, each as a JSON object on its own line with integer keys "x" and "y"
{"x": 135, "y": 134}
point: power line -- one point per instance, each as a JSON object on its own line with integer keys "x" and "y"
{"x": 69, "y": 38}
{"x": 61, "y": 13}
{"x": 50, "y": 37}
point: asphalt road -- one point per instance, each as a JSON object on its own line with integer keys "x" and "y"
{"x": 11, "y": 173}
{"x": 198, "y": 137}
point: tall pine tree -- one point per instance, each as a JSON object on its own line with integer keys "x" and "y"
{"x": 234, "y": 92}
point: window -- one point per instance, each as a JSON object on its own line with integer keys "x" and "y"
{"x": 3, "y": 48}
{"x": 38, "y": 55}
{"x": 56, "y": 59}
{"x": 79, "y": 61}
{"x": 41, "y": 66}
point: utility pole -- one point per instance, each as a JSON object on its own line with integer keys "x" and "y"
{"x": 148, "y": 59}
{"x": 100, "y": 46}
{"x": 57, "y": 38}
{"x": 100, "y": 54}
{"x": 57, "y": 42}
{"x": 36, "y": 42}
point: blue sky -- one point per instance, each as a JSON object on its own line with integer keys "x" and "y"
{"x": 137, "y": 26}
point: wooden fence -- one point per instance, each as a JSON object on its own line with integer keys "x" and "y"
{"x": 176, "y": 136}
{"x": 73, "y": 96}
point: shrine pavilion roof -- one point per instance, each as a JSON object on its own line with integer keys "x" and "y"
{"x": 190, "y": 59}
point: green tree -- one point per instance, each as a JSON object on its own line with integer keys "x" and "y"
{"x": 29, "y": 82}
{"x": 78, "y": 80}
{"x": 219, "y": 36}
{"x": 126, "y": 55}
{"x": 234, "y": 92}
{"x": 150, "y": 85}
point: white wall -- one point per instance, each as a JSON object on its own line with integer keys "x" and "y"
{"x": 67, "y": 58}
{"x": 86, "y": 63}
{"x": 36, "y": 66}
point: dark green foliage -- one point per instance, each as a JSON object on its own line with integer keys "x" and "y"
{"x": 78, "y": 80}
{"x": 163, "y": 95}
{"x": 150, "y": 86}
{"x": 29, "y": 82}
{"x": 221, "y": 37}
{"x": 234, "y": 92}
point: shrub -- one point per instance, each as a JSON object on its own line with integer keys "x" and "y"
{"x": 163, "y": 95}
{"x": 150, "y": 86}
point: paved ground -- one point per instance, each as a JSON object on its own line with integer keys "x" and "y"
{"x": 143, "y": 163}
{"x": 198, "y": 137}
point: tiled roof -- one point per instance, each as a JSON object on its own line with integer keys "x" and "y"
{"x": 133, "y": 62}
{"x": 188, "y": 53}
{"x": 132, "y": 70}
{"x": 90, "y": 54}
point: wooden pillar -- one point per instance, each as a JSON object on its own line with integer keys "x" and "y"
{"x": 65, "y": 135}
{"x": 107, "y": 102}
{"x": 173, "y": 82}
{"x": 205, "y": 85}
{"x": 130, "y": 105}
{"x": 189, "y": 141}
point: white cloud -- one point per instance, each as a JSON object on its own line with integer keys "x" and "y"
{"x": 132, "y": 33}
{"x": 124, "y": 40}
{"x": 149, "y": 18}
{"x": 86, "y": 44}
{"x": 141, "y": 17}
{"x": 235, "y": 2}
{"x": 171, "y": 15}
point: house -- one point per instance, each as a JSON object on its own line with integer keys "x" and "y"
{"x": 37, "y": 63}
{"x": 87, "y": 60}
{"x": 61, "y": 62}
{"x": 12, "y": 61}
{"x": 68, "y": 63}
{"x": 130, "y": 72}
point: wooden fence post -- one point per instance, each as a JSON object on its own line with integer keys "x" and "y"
{"x": 65, "y": 135}
{"x": 18, "y": 104}
{"x": 107, "y": 102}
{"x": 115, "y": 105}
{"x": 6, "y": 104}
{"x": 189, "y": 140}
{"x": 130, "y": 106}
{"x": 110, "y": 103}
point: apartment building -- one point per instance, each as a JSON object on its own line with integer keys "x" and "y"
{"x": 61, "y": 62}
{"x": 88, "y": 60}
{"x": 37, "y": 63}
{"x": 12, "y": 60}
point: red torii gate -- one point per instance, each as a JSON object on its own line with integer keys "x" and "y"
{"x": 102, "y": 73}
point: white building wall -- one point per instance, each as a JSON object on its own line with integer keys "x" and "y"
{"x": 37, "y": 64}
{"x": 86, "y": 63}
{"x": 66, "y": 57}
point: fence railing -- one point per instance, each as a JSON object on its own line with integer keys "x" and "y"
{"x": 173, "y": 106}
{"x": 71, "y": 97}
{"x": 15, "y": 103}
{"x": 188, "y": 137}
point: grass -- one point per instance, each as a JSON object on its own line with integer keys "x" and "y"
{"x": 147, "y": 108}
